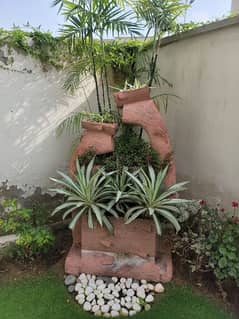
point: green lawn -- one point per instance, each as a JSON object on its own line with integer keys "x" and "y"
{"x": 45, "y": 297}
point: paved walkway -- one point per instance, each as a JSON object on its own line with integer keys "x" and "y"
{"x": 5, "y": 240}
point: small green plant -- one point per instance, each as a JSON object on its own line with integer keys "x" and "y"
{"x": 88, "y": 193}
{"x": 72, "y": 124}
{"x": 130, "y": 87}
{"x": 152, "y": 201}
{"x": 210, "y": 243}
{"x": 120, "y": 183}
{"x": 32, "y": 240}
{"x": 130, "y": 151}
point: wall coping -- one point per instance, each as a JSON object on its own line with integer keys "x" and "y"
{"x": 214, "y": 26}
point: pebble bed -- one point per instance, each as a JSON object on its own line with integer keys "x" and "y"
{"x": 112, "y": 297}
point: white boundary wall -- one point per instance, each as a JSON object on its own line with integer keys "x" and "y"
{"x": 203, "y": 66}
{"x": 32, "y": 104}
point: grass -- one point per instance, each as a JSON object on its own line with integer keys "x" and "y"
{"x": 45, "y": 297}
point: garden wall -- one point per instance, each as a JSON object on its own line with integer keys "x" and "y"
{"x": 203, "y": 66}
{"x": 32, "y": 105}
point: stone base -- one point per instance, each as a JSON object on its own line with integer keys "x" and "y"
{"x": 112, "y": 264}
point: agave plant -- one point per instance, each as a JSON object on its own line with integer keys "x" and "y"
{"x": 152, "y": 201}
{"x": 88, "y": 194}
{"x": 121, "y": 184}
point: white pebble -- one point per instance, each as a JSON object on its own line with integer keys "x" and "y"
{"x": 90, "y": 297}
{"x": 98, "y": 313}
{"x": 124, "y": 291}
{"x": 114, "y": 313}
{"x": 106, "y": 291}
{"x": 78, "y": 286}
{"x": 81, "y": 301}
{"x": 143, "y": 282}
{"x": 132, "y": 312}
{"x": 128, "y": 298}
{"x": 84, "y": 284}
{"x": 128, "y": 305}
{"x": 117, "y": 287}
{"x": 111, "y": 286}
{"x": 116, "y": 307}
{"x": 82, "y": 276}
{"x": 115, "y": 294}
{"x": 95, "y": 308}
{"x": 122, "y": 280}
{"x": 88, "y": 290}
{"x": 141, "y": 292}
{"x": 99, "y": 282}
{"x": 92, "y": 285}
{"x": 150, "y": 287}
{"x": 149, "y": 299}
{"x": 124, "y": 312}
{"x": 100, "y": 302}
{"x": 88, "y": 276}
{"x": 135, "y": 299}
{"x": 110, "y": 303}
{"x": 159, "y": 288}
{"x": 87, "y": 306}
{"x": 101, "y": 287}
{"x": 135, "y": 286}
{"x": 136, "y": 307}
{"x": 122, "y": 285}
{"x": 93, "y": 302}
{"x": 114, "y": 279}
{"x": 130, "y": 293}
{"x": 105, "y": 308}
{"x": 106, "y": 315}
{"x": 80, "y": 296}
{"x": 116, "y": 300}
{"x": 128, "y": 283}
{"x": 79, "y": 289}
{"x": 108, "y": 296}
{"x": 122, "y": 301}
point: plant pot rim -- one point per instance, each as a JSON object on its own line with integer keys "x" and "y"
{"x": 134, "y": 90}
{"x": 132, "y": 96}
{"x": 109, "y": 128}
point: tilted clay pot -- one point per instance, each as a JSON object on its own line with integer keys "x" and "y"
{"x": 126, "y": 97}
{"x": 97, "y": 137}
{"x": 140, "y": 109}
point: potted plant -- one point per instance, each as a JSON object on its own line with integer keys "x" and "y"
{"x": 132, "y": 93}
{"x": 87, "y": 23}
{"x": 117, "y": 214}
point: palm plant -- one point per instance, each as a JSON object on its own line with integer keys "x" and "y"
{"x": 87, "y": 23}
{"x": 88, "y": 194}
{"x": 159, "y": 17}
{"x": 151, "y": 201}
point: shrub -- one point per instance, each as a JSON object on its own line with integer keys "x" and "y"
{"x": 33, "y": 239}
{"x": 210, "y": 243}
{"x": 130, "y": 151}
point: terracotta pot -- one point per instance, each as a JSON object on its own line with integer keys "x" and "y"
{"x": 126, "y": 97}
{"x": 139, "y": 109}
{"x": 138, "y": 238}
{"x": 97, "y": 137}
{"x": 131, "y": 251}
{"x": 109, "y": 128}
